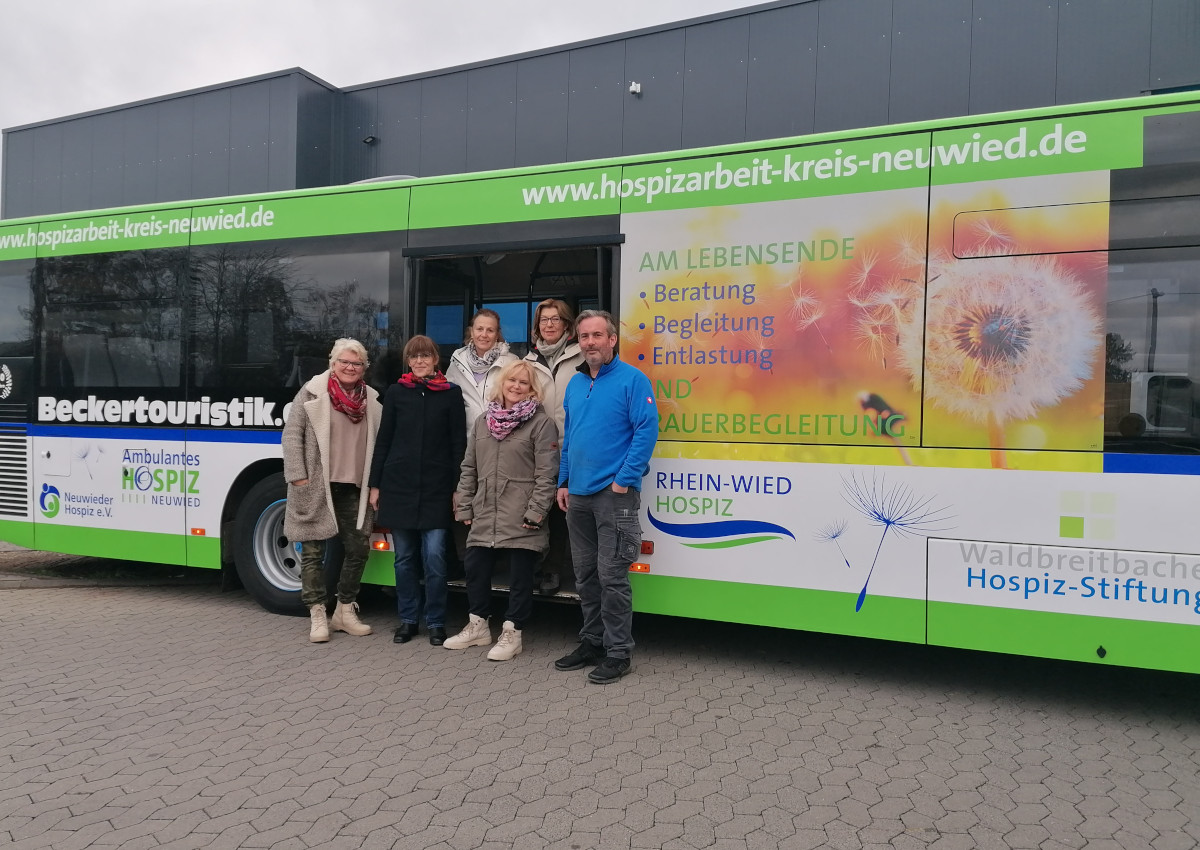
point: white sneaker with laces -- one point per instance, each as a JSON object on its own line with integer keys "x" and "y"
{"x": 509, "y": 645}
{"x": 476, "y": 633}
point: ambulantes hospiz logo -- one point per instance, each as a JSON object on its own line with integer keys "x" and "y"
{"x": 5, "y": 381}
{"x": 49, "y": 501}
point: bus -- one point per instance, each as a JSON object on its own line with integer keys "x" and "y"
{"x": 891, "y": 367}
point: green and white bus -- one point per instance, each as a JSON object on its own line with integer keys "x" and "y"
{"x": 926, "y": 383}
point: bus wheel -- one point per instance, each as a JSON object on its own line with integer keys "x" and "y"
{"x": 267, "y": 562}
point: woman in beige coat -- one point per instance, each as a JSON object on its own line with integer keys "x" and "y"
{"x": 555, "y": 356}
{"x": 327, "y": 446}
{"x": 504, "y": 493}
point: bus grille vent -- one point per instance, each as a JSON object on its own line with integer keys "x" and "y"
{"x": 14, "y": 473}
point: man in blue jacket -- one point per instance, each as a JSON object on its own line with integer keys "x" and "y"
{"x": 610, "y": 430}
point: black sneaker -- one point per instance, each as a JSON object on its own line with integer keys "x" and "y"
{"x": 583, "y": 655}
{"x": 609, "y": 670}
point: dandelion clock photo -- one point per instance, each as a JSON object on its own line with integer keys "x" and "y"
{"x": 1012, "y": 349}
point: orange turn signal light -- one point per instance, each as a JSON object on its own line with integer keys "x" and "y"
{"x": 381, "y": 545}
{"x": 199, "y": 532}
{"x": 639, "y": 567}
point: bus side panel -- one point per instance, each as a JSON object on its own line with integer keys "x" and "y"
{"x": 1070, "y": 637}
{"x": 218, "y": 458}
{"x": 110, "y": 492}
{"x": 887, "y": 617}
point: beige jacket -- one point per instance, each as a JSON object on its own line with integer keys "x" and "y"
{"x": 552, "y": 383}
{"x": 309, "y": 514}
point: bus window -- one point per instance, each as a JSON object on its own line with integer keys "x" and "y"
{"x": 1152, "y": 351}
{"x": 112, "y": 320}
{"x": 264, "y": 315}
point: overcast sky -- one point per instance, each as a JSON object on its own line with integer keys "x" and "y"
{"x": 61, "y": 57}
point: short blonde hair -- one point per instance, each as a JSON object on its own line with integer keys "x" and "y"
{"x": 349, "y": 344}
{"x": 496, "y": 393}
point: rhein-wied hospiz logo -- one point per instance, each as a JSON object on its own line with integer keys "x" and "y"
{"x": 721, "y": 534}
{"x": 49, "y": 501}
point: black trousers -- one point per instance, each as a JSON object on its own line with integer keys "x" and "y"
{"x": 480, "y": 564}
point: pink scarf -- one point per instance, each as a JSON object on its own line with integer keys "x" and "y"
{"x": 501, "y": 421}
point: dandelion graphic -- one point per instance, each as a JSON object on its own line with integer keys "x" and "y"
{"x": 805, "y": 310}
{"x": 757, "y": 342}
{"x": 874, "y": 330}
{"x": 991, "y": 237}
{"x": 894, "y": 507}
{"x": 866, "y": 266}
{"x": 831, "y": 533}
{"x": 632, "y": 336}
{"x": 1004, "y": 337}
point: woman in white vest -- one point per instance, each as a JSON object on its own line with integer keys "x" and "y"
{"x": 476, "y": 366}
{"x": 555, "y": 357}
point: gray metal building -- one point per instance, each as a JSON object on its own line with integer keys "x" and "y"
{"x": 778, "y": 69}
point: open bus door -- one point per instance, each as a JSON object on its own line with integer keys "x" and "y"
{"x": 452, "y": 284}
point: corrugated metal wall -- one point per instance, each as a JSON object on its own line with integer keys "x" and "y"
{"x": 780, "y": 69}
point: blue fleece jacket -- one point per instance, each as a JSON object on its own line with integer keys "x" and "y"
{"x": 610, "y": 430}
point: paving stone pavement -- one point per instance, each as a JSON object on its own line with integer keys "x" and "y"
{"x": 183, "y": 717}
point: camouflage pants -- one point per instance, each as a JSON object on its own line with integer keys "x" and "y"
{"x": 355, "y": 543}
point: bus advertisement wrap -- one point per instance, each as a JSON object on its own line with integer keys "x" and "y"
{"x": 805, "y": 321}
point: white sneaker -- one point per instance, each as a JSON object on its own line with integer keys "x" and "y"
{"x": 509, "y": 644}
{"x": 476, "y": 633}
{"x": 318, "y": 631}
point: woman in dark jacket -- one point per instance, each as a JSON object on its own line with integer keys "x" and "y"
{"x": 422, "y": 437}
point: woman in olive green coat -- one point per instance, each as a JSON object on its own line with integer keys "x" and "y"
{"x": 504, "y": 493}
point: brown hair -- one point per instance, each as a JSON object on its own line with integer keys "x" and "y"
{"x": 421, "y": 344}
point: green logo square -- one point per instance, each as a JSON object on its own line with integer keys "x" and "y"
{"x": 1070, "y": 526}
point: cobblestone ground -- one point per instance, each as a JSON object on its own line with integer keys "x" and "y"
{"x": 182, "y": 717}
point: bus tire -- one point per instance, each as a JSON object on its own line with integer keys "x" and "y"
{"x": 266, "y": 561}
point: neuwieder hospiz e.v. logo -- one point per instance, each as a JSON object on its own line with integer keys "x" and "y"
{"x": 49, "y": 501}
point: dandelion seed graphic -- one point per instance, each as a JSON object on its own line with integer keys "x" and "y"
{"x": 911, "y": 250}
{"x": 873, "y": 331}
{"x": 990, "y": 234}
{"x": 805, "y": 310}
{"x": 1004, "y": 338}
{"x": 866, "y": 265}
{"x": 632, "y": 335}
{"x": 757, "y": 343}
{"x": 891, "y": 507}
{"x": 831, "y": 533}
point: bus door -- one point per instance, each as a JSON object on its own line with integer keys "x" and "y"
{"x": 451, "y": 286}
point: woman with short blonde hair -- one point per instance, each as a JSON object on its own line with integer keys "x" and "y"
{"x": 504, "y": 494}
{"x": 327, "y": 492}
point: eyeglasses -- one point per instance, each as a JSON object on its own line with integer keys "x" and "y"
{"x": 550, "y": 320}
{"x": 351, "y": 364}
{"x": 421, "y": 357}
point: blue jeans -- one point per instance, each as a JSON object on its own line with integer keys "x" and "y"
{"x": 417, "y": 552}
